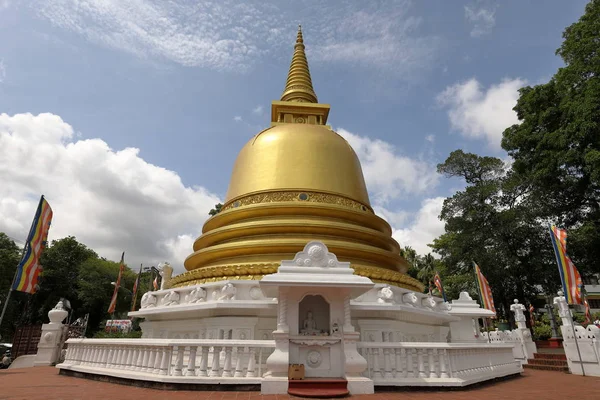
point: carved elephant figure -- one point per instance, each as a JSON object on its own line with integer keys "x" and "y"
{"x": 148, "y": 300}
{"x": 228, "y": 292}
{"x": 410, "y": 299}
{"x": 171, "y": 299}
{"x": 429, "y": 302}
{"x": 196, "y": 296}
{"x": 385, "y": 295}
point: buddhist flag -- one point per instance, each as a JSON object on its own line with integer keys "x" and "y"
{"x": 155, "y": 283}
{"x": 569, "y": 275}
{"x": 485, "y": 292}
{"x": 28, "y": 270}
{"x": 113, "y": 301}
{"x": 135, "y": 289}
{"x": 438, "y": 284}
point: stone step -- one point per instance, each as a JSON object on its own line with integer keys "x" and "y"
{"x": 537, "y": 361}
{"x": 549, "y": 356}
{"x": 318, "y": 388}
{"x": 557, "y": 368}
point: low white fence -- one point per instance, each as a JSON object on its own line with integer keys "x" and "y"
{"x": 166, "y": 360}
{"x": 244, "y": 361}
{"x": 588, "y": 356}
{"x": 437, "y": 364}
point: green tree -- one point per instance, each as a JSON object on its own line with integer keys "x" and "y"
{"x": 488, "y": 223}
{"x": 556, "y": 145}
{"x": 94, "y": 290}
{"x": 10, "y": 255}
{"x": 61, "y": 262}
{"x": 215, "y": 210}
{"x": 411, "y": 257}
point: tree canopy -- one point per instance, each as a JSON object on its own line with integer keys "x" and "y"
{"x": 500, "y": 219}
{"x": 71, "y": 271}
{"x": 556, "y": 145}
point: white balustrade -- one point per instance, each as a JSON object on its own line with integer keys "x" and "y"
{"x": 430, "y": 364}
{"x": 166, "y": 359}
{"x": 243, "y": 361}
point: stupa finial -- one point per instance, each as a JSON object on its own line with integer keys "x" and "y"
{"x": 298, "y": 86}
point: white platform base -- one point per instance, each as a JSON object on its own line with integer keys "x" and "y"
{"x": 360, "y": 385}
{"x": 273, "y": 385}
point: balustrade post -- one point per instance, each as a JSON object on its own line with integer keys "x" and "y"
{"x": 140, "y": 359}
{"x": 376, "y": 369}
{"x": 204, "y": 362}
{"x": 251, "y": 363}
{"x": 421, "y": 363}
{"x": 105, "y": 357}
{"x": 191, "y": 368}
{"x": 84, "y": 351}
{"x": 410, "y": 363}
{"x": 227, "y": 363}
{"x": 239, "y": 368}
{"x": 443, "y": 359}
{"x": 110, "y": 358}
{"x": 179, "y": 361}
{"x": 215, "y": 368}
{"x": 165, "y": 362}
{"x": 130, "y": 358}
{"x": 157, "y": 360}
{"x": 92, "y": 356}
{"x": 432, "y": 371}
{"x": 387, "y": 363}
{"x": 146, "y": 358}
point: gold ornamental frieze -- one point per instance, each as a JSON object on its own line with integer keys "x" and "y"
{"x": 257, "y": 271}
{"x": 296, "y": 196}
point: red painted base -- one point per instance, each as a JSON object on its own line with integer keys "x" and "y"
{"x": 549, "y": 344}
{"x": 318, "y": 388}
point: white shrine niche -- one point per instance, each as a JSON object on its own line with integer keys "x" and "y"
{"x": 314, "y": 325}
{"x": 313, "y": 315}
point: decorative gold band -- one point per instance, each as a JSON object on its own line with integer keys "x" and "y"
{"x": 309, "y": 197}
{"x": 257, "y": 271}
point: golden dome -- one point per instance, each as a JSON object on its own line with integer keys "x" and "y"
{"x": 295, "y": 182}
{"x": 298, "y": 157}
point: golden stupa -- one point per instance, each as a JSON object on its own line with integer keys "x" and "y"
{"x": 295, "y": 182}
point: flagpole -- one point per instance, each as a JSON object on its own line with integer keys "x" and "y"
{"x": 576, "y": 342}
{"x": 137, "y": 289}
{"x": 10, "y": 290}
{"x": 481, "y": 300}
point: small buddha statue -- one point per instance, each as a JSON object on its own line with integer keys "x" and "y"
{"x": 309, "y": 326}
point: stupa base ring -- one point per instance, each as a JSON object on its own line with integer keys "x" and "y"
{"x": 257, "y": 271}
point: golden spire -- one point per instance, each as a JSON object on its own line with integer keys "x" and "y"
{"x": 298, "y": 87}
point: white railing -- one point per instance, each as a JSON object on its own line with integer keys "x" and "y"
{"x": 430, "y": 364}
{"x": 243, "y": 361}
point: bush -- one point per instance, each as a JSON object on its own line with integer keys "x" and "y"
{"x": 542, "y": 332}
{"x": 117, "y": 335}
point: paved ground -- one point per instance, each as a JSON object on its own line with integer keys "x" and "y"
{"x": 45, "y": 383}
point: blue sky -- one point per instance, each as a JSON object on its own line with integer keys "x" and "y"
{"x": 136, "y": 110}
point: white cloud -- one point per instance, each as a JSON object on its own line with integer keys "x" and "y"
{"x": 238, "y": 118}
{"x": 389, "y": 174}
{"x": 375, "y": 35}
{"x": 425, "y": 226}
{"x": 430, "y": 138}
{"x": 223, "y": 35}
{"x": 232, "y": 35}
{"x": 478, "y": 113}
{"x": 110, "y": 200}
{"x": 258, "y": 110}
{"x": 482, "y": 16}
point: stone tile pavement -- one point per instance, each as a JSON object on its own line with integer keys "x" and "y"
{"x": 45, "y": 383}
